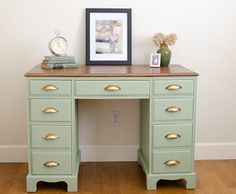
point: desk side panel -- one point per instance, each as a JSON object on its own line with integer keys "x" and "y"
{"x": 145, "y": 130}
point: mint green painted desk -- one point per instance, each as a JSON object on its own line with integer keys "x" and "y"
{"x": 167, "y": 100}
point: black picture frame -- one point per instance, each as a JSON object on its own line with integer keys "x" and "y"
{"x": 108, "y": 36}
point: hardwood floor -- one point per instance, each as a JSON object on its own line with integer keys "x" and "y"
{"x": 213, "y": 177}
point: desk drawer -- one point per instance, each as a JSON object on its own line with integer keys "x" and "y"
{"x": 172, "y": 135}
{"x": 49, "y": 88}
{"x": 50, "y": 110}
{"x": 173, "y": 87}
{"x": 51, "y": 163}
{"x": 172, "y": 161}
{"x": 173, "y": 109}
{"x": 135, "y": 89}
{"x": 45, "y": 136}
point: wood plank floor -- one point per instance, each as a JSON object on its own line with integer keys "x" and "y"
{"x": 213, "y": 177}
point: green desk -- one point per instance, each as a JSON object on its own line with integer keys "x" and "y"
{"x": 167, "y": 124}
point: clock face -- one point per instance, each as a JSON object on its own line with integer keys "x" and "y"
{"x": 58, "y": 46}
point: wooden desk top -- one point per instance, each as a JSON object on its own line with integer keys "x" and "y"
{"x": 112, "y": 71}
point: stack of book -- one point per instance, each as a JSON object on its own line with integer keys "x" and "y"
{"x": 58, "y": 62}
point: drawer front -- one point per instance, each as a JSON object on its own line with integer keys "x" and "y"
{"x": 50, "y": 110}
{"x": 173, "y": 87}
{"x": 49, "y": 88}
{"x": 173, "y": 109}
{"x": 172, "y": 135}
{"x": 45, "y": 136}
{"x": 135, "y": 89}
{"x": 51, "y": 163}
{"x": 172, "y": 162}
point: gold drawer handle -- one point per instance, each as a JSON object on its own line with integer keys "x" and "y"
{"x": 173, "y": 87}
{"x": 112, "y": 88}
{"x": 50, "y": 136}
{"x": 172, "y": 136}
{"x": 50, "y": 110}
{"x": 50, "y": 87}
{"x": 51, "y": 164}
{"x": 173, "y": 109}
{"x": 171, "y": 162}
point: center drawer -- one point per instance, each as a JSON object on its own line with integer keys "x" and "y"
{"x": 95, "y": 89}
{"x": 50, "y": 110}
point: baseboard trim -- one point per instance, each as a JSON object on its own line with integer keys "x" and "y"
{"x": 13, "y": 153}
{"x": 100, "y": 153}
{"x": 215, "y": 151}
{"x": 103, "y": 153}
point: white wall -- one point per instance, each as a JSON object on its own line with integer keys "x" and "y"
{"x": 206, "y": 44}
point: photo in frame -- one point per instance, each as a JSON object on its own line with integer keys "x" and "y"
{"x": 108, "y": 36}
{"x": 155, "y": 60}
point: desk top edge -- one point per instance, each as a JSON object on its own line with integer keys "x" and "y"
{"x": 112, "y": 71}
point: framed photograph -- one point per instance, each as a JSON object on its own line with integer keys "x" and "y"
{"x": 108, "y": 36}
{"x": 155, "y": 60}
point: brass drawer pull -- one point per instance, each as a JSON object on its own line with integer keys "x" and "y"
{"x": 50, "y": 87}
{"x": 51, "y": 164}
{"x": 172, "y": 136}
{"x": 112, "y": 88}
{"x": 171, "y": 162}
{"x": 173, "y": 87}
{"x": 50, "y": 110}
{"x": 50, "y": 136}
{"x": 173, "y": 109}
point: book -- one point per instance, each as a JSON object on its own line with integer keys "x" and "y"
{"x": 60, "y": 66}
{"x": 60, "y": 58}
{"x": 58, "y": 61}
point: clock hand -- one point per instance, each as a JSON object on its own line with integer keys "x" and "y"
{"x": 58, "y": 44}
